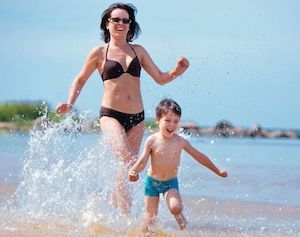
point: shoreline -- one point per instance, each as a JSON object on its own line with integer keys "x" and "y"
{"x": 221, "y": 129}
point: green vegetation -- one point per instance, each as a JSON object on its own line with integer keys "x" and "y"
{"x": 21, "y": 112}
{"x": 150, "y": 124}
{"x": 20, "y": 116}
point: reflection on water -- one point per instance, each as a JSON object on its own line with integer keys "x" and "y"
{"x": 66, "y": 180}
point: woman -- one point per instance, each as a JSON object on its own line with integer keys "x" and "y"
{"x": 122, "y": 114}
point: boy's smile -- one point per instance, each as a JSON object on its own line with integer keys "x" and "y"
{"x": 168, "y": 124}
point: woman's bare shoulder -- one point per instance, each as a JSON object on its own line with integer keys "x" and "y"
{"x": 138, "y": 48}
{"x": 98, "y": 50}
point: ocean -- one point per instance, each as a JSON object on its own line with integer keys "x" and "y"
{"x": 57, "y": 182}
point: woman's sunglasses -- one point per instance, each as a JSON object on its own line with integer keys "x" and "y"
{"x": 118, "y": 19}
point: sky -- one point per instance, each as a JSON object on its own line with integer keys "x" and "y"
{"x": 244, "y": 56}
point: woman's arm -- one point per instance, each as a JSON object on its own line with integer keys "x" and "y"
{"x": 162, "y": 77}
{"x": 90, "y": 65}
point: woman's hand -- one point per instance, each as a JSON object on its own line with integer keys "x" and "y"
{"x": 63, "y": 108}
{"x": 181, "y": 65}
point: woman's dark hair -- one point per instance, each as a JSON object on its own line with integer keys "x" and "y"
{"x": 134, "y": 28}
{"x": 165, "y": 106}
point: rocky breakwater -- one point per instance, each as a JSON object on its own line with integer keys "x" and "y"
{"x": 226, "y": 129}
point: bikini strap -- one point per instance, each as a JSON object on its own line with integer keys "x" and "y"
{"x": 132, "y": 49}
{"x": 106, "y": 51}
{"x": 105, "y": 60}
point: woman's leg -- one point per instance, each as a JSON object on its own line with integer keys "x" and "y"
{"x": 151, "y": 208}
{"x": 119, "y": 143}
{"x": 175, "y": 205}
{"x": 135, "y": 137}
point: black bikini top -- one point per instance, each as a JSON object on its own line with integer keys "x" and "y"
{"x": 113, "y": 69}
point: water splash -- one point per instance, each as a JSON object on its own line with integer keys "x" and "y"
{"x": 66, "y": 178}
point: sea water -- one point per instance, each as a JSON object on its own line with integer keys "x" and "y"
{"x": 62, "y": 180}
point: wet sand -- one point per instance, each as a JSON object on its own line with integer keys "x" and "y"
{"x": 206, "y": 217}
{"x": 34, "y": 231}
{"x": 6, "y": 190}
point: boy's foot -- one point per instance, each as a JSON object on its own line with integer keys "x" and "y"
{"x": 181, "y": 221}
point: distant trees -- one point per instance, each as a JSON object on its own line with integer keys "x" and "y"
{"x": 25, "y": 111}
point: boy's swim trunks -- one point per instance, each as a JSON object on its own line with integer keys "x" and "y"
{"x": 154, "y": 187}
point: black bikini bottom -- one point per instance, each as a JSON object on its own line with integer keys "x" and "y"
{"x": 127, "y": 121}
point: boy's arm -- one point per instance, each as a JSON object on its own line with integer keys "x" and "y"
{"x": 141, "y": 163}
{"x": 203, "y": 159}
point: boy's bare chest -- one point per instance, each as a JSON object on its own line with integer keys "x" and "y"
{"x": 166, "y": 150}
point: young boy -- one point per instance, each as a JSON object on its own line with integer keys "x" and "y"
{"x": 165, "y": 148}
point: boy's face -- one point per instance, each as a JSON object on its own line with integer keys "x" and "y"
{"x": 168, "y": 124}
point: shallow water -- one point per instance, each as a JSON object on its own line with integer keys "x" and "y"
{"x": 57, "y": 182}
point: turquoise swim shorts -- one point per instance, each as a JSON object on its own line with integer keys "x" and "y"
{"x": 154, "y": 187}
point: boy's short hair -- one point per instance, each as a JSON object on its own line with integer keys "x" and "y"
{"x": 167, "y": 105}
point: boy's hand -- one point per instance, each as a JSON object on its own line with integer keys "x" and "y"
{"x": 133, "y": 176}
{"x": 223, "y": 173}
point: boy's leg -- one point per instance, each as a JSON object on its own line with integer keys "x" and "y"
{"x": 175, "y": 206}
{"x": 151, "y": 208}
